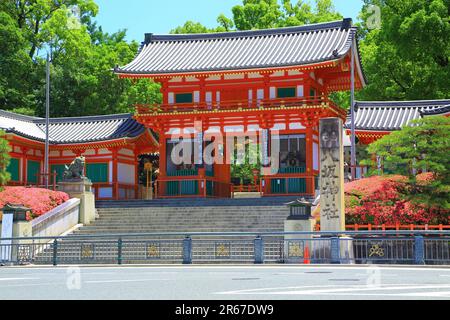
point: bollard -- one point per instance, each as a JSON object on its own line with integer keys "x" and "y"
{"x": 306, "y": 257}
{"x": 119, "y": 251}
{"x": 187, "y": 250}
{"x": 335, "y": 250}
{"x": 419, "y": 250}
{"x": 55, "y": 252}
{"x": 259, "y": 250}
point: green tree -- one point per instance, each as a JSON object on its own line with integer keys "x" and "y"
{"x": 408, "y": 56}
{"x": 83, "y": 56}
{"x": 422, "y": 145}
{"x": 263, "y": 14}
{"x": 5, "y": 176}
{"x": 243, "y": 165}
{"x": 15, "y": 66}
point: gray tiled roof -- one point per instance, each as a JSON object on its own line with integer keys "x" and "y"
{"x": 161, "y": 54}
{"x": 389, "y": 115}
{"x": 437, "y": 111}
{"x": 72, "y": 130}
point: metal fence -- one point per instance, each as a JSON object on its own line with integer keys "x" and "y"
{"x": 351, "y": 247}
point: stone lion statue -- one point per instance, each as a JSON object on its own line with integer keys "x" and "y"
{"x": 75, "y": 171}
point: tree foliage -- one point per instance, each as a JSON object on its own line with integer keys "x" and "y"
{"x": 5, "y": 176}
{"x": 262, "y": 14}
{"x": 408, "y": 57}
{"x": 83, "y": 56}
{"x": 421, "y": 146}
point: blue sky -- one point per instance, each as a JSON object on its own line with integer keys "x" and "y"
{"x": 160, "y": 16}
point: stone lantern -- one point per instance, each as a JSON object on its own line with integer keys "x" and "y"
{"x": 299, "y": 209}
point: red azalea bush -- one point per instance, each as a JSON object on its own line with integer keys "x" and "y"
{"x": 425, "y": 178}
{"x": 381, "y": 200}
{"x": 39, "y": 200}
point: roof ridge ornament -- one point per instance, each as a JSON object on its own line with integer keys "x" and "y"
{"x": 347, "y": 23}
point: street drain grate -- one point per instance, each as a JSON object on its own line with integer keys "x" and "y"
{"x": 244, "y": 279}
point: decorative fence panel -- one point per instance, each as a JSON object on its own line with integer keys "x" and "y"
{"x": 362, "y": 247}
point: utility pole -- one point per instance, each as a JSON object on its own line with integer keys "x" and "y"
{"x": 352, "y": 112}
{"x": 47, "y": 115}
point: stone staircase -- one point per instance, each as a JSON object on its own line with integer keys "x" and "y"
{"x": 181, "y": 215}
{"x": 187, "y": 219}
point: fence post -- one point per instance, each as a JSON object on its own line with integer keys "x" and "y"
{"x": 335, "y": 250}
{"x": 55, "y": 252}
{"x": 259, "y": 250}
{"x": 187, "y": 250}
{"x": 419, "y": 250}
{"x": 119, "y": 251}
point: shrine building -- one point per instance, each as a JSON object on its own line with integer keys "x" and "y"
{"x": 375, "y": 119}
{"x": 110, "y": 144}
{"x": 270, "y": 87}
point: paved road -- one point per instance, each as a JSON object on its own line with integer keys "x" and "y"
{"x": 224, "y": 282}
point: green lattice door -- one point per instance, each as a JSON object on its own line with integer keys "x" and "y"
{"x": 14, "y": 169}
{"x": 33, "y": 169}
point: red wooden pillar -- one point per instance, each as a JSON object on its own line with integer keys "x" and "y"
{"x": 266, "y": 86}
{"x": 115, "y": 173}
{"x": 136, "y": 173}
{"x": 202, "y": 94}
{"x": 161, "y": 186}
{"x": 309, "y": 159}
{"x": 24, "y": 165}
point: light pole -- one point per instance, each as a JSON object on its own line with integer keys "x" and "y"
{"x": 352, "y": 111}
{"x": 47, "y": 115}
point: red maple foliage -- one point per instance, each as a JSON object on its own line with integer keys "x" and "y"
{"x": 38, "y": 200}
{"x": 381, "y": 200}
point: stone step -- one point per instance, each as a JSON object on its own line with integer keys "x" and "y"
{"x": 216, "y": 230}
{"x": 217, "y": 211}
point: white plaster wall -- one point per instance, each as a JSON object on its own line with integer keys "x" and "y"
{"x": 279, "y": 126}
{"x": 68, "y": 153}
{"x": 103, "y": 151}
{"x": 196, "y": 96}
{"x": 234, "y": 129}
{"x": 127, "y": 152}
{"x": 105, "y": 192}
{"x": 57, "y": 221}
{"x": 273, "y": 93}
{"x": 296, "y": 126}
{"x": 89, "y": 152}
{"x": 171, "y": 97}
{"x": 277, "y": 74}
{"x": 260, "y": 94}
{"x": 300, "y": 91}
{"x": 125, "y": 173}
{"x": 315, "y": 156}
{"x": 254, "y": 75}
{"x": 294, "y": 72}
{"x": 110, "y": 171}
{"x": 233, "y": 76}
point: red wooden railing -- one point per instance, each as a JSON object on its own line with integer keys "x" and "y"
{"x": 396, "y": 227}
{"x": 232, "y": 105}
{"x": 115, "y": 190}
{"x": 246, "y": 188}
{"x": 219, "y": 189}
{"x": 309, "y": 179}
